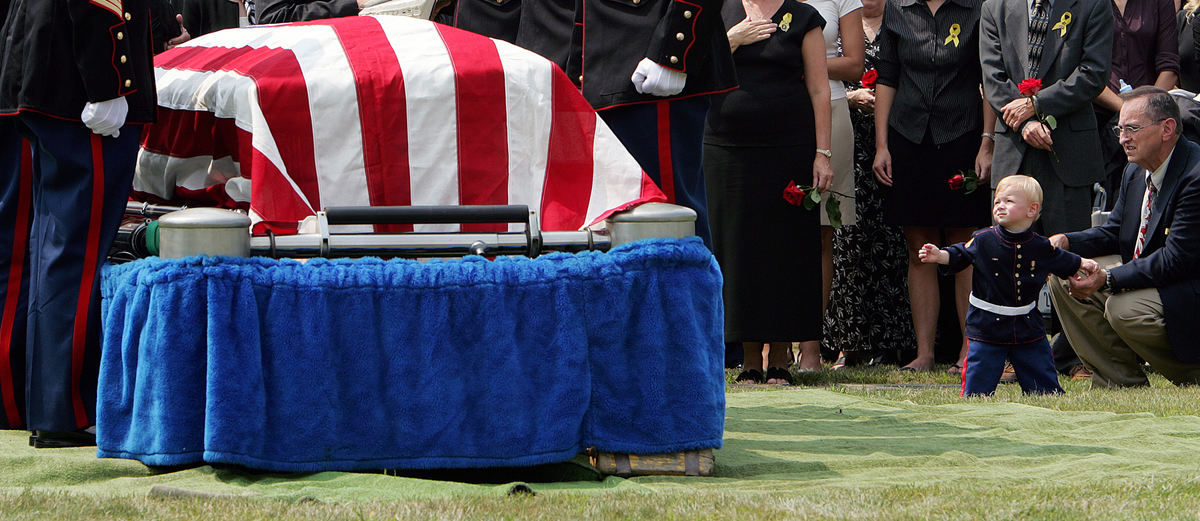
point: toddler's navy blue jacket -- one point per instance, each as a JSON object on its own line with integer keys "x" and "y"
{"x": 1010, "y": 269}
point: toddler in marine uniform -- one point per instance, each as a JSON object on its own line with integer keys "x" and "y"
{"x": 1011, "y": 265}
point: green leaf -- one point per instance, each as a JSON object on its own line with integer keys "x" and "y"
{"x": 808, "y": 203}
{"x": 815, "y": 196}
{"x": 1050, "y": 122}
{"x": 970, "y": 184}
{"x": 833, "y": 209}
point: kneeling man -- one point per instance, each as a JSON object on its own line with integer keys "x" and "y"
{"x": 1145, "y": 307}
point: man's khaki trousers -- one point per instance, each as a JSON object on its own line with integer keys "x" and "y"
{"x": 1111, "y": 331}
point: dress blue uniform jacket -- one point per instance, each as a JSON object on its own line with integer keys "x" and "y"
{"x": 59, "y": 54}
{"x": 1010, "y": 269}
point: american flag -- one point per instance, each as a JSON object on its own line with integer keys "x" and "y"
{"x": 286, "y": 120}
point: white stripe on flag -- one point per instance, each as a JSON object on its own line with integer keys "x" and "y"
{"x": 527, "y": 87}
{"x": 617, "y": 174}
{"x": 432, "y": 114}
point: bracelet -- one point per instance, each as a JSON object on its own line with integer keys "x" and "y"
{"x": 989, "y": 135}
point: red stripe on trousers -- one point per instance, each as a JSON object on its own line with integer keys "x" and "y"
{"x": 382, "y": 111}
{"x": 13, "y": 291}
{"x": 666, "y": 170}
{"x": 567, "y": 188}
{"x": 283, "y": 99}
{"x": 83, "y": 307}
{"x": 482, "y": 118}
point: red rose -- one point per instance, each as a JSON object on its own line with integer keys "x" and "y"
{"x": 794, "y": 194}
{"x": 956, "y": 182}
{"x": 868, "y": 79}
{"x": 1030, "y": 86}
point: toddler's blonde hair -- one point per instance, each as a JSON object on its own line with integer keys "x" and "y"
{"x": 1026, "y": 184}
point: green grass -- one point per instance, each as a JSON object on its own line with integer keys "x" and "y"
{"x": 1167, "y": 496}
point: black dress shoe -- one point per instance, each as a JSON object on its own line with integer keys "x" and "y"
{"x": 60, "y": 439}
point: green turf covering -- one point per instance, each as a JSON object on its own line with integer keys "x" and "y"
{"x": 774, "y": 440}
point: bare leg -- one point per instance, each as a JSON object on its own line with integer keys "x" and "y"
{"x": 752, "y": 353}
{"x": 962, "y": 288}
{"x": 923, "y": 295}
{"x": 778, "y": 358}
{"x": 810, "y": 355}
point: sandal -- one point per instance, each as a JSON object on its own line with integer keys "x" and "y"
{"x": 753, "y": 376}
{"x": 955, "y": 369}
{"x": 779, "y": 373}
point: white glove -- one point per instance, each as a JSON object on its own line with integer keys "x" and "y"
{"x": 652, "y": 78}
{"x": 107, "y": 117}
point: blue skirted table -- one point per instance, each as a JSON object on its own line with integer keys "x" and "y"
{"x": 369, "y": 364}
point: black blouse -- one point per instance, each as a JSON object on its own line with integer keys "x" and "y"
{"x": 771, "y": 107}
{"x": 933, "y": 63}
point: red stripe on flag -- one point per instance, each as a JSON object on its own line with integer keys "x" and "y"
{"x": 273, "y": 198}
{"x": 191, "y": 133}
{"x": 666, "y": 169}
{"x": 13, "y": 291}
{"x": 382, "y": 111}
{"x": 283, "y": 99}
{"x": 482, "y": 121}
{"x": 569, "y": 167}
{"x": 90, "y": 264}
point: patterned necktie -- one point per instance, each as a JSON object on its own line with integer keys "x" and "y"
{"x": 1039, "y": 22}
{"x": 1141, "y": 238}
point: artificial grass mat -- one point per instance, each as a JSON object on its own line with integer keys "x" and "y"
{"x": 774, "y": 440}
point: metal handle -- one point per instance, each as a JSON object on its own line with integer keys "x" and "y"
{"x": 511, "y": 213}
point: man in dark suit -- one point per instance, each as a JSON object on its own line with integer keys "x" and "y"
{"x": 1067, "y": 44}
{"x": 1145, "y": 307}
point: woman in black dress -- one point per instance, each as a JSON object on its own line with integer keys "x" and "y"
{"x": 930, "y": 121}
{"x": 772, "y": 131}
{"x": 875, "y": 325}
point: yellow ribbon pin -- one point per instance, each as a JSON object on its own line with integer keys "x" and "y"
{"x": 954, "y": 30}
{"x": 786, "y": 23}
{"x": 1062, "y": 24}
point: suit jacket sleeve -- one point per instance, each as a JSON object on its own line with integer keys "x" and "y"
{"x": 1091, "y": 75}
{"x": 683, "y": 34}
{"x": 998, "y": 87}
{"x": 1103, "y": 240}
{"x": 1179, "y": 257}
{"x": 280, "y": 11}
{"x": 101, "y": 47}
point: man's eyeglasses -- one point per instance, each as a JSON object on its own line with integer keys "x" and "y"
{"x": 1132, "y": 129}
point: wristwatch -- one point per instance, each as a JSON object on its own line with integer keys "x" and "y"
{"x": 825, "y": 152}
{"x": 1107, "y": 282}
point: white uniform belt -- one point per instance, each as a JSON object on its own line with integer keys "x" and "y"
{"x": 1012, "y": 311}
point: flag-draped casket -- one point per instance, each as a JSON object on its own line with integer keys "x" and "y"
{"x": 286, "y": 120}
{"x": 368, "y": 364}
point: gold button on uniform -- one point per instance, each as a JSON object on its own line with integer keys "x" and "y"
{"x": 124, "y": 59}
{"x": 674, "y": 59}
{"x": 636, "y": 2}
{"x": 120, "y": 36}
{"x": 128, "y": 83}
{"x": 679, "y": 36}
{"x": 127, "y": 16}
{"x": 687, "y": 14}
{"x": 580, "y": 78}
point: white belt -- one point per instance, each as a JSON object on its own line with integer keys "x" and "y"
{"x": 1012, "y": 311}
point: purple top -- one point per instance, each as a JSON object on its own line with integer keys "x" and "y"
{"x": 1145, "y": 42}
